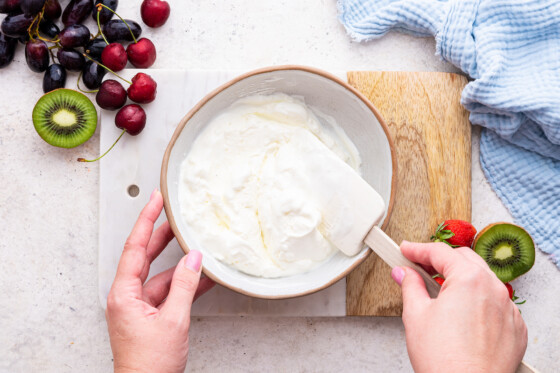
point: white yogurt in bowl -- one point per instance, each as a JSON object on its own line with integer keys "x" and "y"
{"x": 330, "y": 99}
{"x": 245, "y": 190}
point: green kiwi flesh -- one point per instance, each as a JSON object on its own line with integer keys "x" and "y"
{"x": 65, "y": 118}
{"x": 507, "y": 248}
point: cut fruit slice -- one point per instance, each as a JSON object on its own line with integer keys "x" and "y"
{"x": 65, "y": 118}
{"x": 507, "y": 248}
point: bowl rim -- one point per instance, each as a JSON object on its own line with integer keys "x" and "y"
{"x": 211, "y": 95}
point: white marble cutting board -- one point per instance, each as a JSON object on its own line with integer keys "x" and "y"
{"x": 137, "y": 161}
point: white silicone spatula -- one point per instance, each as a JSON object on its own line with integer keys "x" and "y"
{"x": 353, "y": 209}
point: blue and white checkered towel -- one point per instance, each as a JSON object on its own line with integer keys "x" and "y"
{"x": 512, "y": 50}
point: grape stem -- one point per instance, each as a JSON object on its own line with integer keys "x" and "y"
{"x": 99, "y": 26}
{"x": 51, "y": 53}
{"x": 36, "y": 21}
{"x": 99, "y": 6}
{"x": 102, "y": 155}
{"x": 78, "y": 84}
{"x": 49, "y": 40}
{"x": 29, "y": 32}
{"x": 108, "y": 69}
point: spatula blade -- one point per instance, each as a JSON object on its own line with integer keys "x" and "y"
{"x": 351, "y": 206}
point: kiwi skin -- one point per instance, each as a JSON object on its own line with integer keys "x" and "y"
{"x": 515, "y": 237}
{"x": 68, "y": 136}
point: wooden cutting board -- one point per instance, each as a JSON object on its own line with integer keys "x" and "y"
{"x": 432, "y": 138}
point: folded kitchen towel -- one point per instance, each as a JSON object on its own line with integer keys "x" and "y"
{"x": 511, "y": 48}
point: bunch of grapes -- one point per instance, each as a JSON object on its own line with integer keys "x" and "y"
{"x": 54, "y": 52}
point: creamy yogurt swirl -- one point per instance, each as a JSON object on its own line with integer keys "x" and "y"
{"x": 244, "y": 192}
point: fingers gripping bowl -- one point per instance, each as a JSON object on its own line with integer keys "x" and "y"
{"x": 329, "y": 96}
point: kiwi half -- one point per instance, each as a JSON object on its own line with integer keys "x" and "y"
{"x": 65, "y": 118}
{"x": 507, "y": 248}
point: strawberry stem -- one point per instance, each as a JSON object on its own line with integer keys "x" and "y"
{"x": 108, "y": 69}
{"x": 115, "y": 13}
{"x": 102, "y": 155}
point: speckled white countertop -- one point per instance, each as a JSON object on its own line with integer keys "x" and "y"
{"x": 50, "y": 318}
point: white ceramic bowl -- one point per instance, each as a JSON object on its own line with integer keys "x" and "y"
{"x": 331, "y": 96}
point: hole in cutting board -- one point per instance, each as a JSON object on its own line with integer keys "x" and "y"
{"x": 133, "y": 190}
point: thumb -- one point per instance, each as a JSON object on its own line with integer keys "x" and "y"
{"x": 183, "y": 287}
{"x": 414, "y": 293}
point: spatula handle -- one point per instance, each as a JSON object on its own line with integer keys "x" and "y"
{"x": 391, "y": 254}
{"x": 525, "y": 368}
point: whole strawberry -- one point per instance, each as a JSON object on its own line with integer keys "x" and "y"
{"x": 455, "y": 233}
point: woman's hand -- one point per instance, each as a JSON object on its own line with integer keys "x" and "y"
{"x": 149, "y": 323}
{"x": 472, "y": 326}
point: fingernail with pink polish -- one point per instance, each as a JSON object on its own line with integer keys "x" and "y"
{"x": 193, "y": 261}
{"x": 153, "y": 194}
{"x": 397, "y": 274}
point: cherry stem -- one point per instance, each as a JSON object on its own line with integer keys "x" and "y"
{"x": 102, "y": 155}
{"x": 99, "y": 25}
{"x": 115, "y": 13}
{"x": 108, "y": 69}
{"x": 78, "y": 84}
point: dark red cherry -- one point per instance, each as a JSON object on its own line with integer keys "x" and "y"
{"x": 131, "y": 118}
{"x": 141, "y": 54}
{"x": 114, "y": 57}
{"x": 143, "y": 89}
{"x": 111, "y": 95}
{"x": 154, "y": 12}
{"x": 37, "y": 55}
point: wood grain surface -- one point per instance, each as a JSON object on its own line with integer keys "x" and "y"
{"x": 432, "y": 137}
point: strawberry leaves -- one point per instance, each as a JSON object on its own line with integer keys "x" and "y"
{"x": 442, "y": 235}
{"x": 514, "y": 298}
